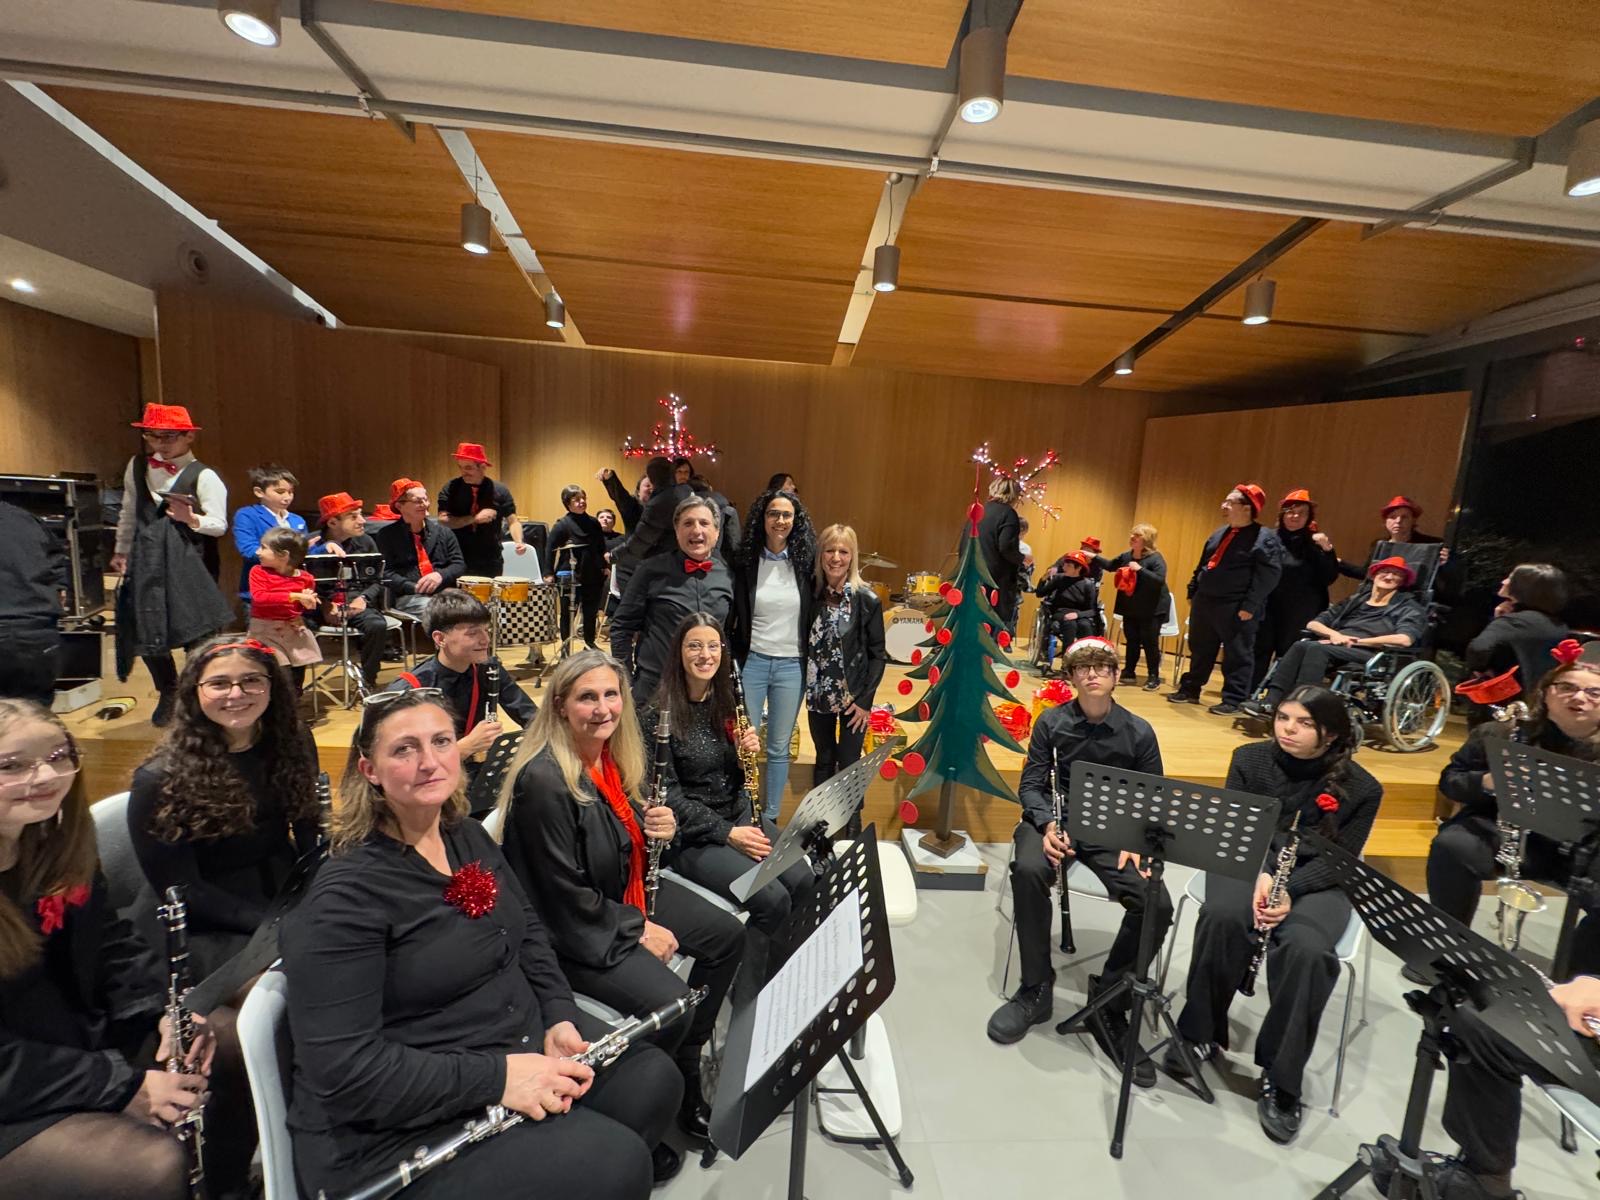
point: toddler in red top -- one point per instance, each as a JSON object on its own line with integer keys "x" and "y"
{"x": 280, "y": 593}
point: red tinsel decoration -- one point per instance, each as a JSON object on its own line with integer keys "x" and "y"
{"x": 881, "y": 721}
{"x": 473, "y": 890}
{"x": 52, "y": 909}
{"x": 1015, "y": 718}
{"x": 1327, "y": 803}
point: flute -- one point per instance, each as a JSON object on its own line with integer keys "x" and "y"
{"x": 658, "y": 797}
{"x": 191, "y": 1127}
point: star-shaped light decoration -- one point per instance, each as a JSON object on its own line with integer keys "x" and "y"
{"x": 669, "y": 438}
{"x": 1024, "y": 475}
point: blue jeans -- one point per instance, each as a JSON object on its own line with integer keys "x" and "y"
{"x": 774, "y": 686}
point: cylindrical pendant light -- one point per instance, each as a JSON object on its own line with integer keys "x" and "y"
{"x": 256, "y": 21}
{"x": 1258, "y": 297}
{"x": 982, "y": 91}
{"x": 555, "y": 311}
{"x": 475, "y": 226}
{"x": 1125, "y": 362}
{"x": 886, "y": 268}
{"x": 1583, "y": 163}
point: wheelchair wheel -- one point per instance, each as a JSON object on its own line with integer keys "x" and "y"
{"x": 1416, "y": 706}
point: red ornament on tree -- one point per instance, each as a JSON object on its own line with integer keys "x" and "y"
{"x": 916, "y": 658}
{"x": 915, "y": 763}
{"x": 934, "y": 674}
{"x": 927, "y": 626}
{"x": 974, "y": 515}
{"x": 889, "y": 769}
{"x": 942, "y": 637}
{"x": 944, "y": 587}
{"x": 954, "y": 597}
{"x": 473, "y": 890}
{"x": 922, "y": 711}
{"x": 904, "y": 687}
{"x": 1011, "y": 678}
{"x": 994, "y": 596}
{"x": 1004, "y": 639}
{"x": 908, "y": 812}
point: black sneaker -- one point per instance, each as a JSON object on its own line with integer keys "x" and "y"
{"x": 1411, "y": 975}
{"x": 1172, "y": 1061}
{"x": 665, "y": 1162}
{"x": 1257, "y": 708}
{"x": 1454, "y": 1180}
{"x": 1152, "y": 683}
{"x": 1110, "y": 1029}
{"x": 1030, "y": 1006}
{"x": 1182, "y": 697}
{"x": 1226, "y": 709}
{"x": 1279, "y": 1114}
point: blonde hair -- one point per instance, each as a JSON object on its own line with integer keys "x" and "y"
{"x": 1147, "y": 532}
{"x": 549, "y": 728}
{"x": 1007, "y": 491}
{"x": 839, "y": 533}
{"x": 362, "y": 807}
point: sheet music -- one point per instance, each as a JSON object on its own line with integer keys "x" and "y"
{"x": 804, "y": 985}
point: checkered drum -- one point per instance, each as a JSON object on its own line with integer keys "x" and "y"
{"x": 535, "y": 622}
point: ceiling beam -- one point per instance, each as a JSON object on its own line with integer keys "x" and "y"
{"x": 366, "y": 90}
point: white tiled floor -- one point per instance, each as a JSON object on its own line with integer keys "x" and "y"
{"x": 1034, "y": 1119}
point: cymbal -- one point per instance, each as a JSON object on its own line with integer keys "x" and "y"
{"x": 879, "y": 561}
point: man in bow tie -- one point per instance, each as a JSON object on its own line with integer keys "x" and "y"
{"x": 667, "y": 588}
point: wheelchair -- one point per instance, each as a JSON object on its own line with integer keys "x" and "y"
{"x": 1400, "y": 697}
{"x": 1041, "y": 647}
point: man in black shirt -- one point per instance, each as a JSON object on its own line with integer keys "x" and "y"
{"x": 1237, "y": 570}
{"x": 420, "y": 556}
{"x": 31, "y": 573}
{"x": 1092, "y": 727}
{"x": 478, "y": 509}
{"x": 1351, "y": 631}
{"x": 469, "y": 678}
{"x": 344, "y": 532}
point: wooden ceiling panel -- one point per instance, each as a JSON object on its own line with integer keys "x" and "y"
{"x": 674, "y": 208}
{"x": 1413, "y": 280}
{"x": 923, "y": 33}
{"x": 995, "y": 339}
{"x": 1486, "y": 65}
{"x": 996, "y": 240}
{"x": 1220, "y": 354}
{"x": 647, "y": 307}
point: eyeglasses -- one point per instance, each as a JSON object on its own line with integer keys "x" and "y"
{"x": 375, "y": 703}
{"x": 1568, "y": 690}
{"x": 1093, "y": 670}
{"x": 781, "y": 518}
{"x": 703, "y": 647}
{"x": 18, "y": 772}
{"x": 250, "y": 685}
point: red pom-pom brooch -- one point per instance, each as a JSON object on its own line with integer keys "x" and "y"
{"x": 52, "y": 909}
{"x": 1328, "y": 803}
{"x": 473, "y": 890}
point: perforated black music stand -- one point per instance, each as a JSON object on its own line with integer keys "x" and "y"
{"x": 1466, "y": 973}
{"x": 1163, "y": 820}
{"x": 484, "y": 790}
{"x": 826, "y": 810}
{"x": 744, "y": 1107}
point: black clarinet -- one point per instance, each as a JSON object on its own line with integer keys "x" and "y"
{"x": 1280, "y": 887}
{"x": 657, "y": 797}
{"x": 191, "y": 1127}
{"x": 324, "y": 814}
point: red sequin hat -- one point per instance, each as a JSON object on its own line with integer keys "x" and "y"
{"x": 169, "y": 418}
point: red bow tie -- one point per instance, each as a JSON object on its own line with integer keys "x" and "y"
{"x": 161, "y": 464}
{"x": 691, "y": 565}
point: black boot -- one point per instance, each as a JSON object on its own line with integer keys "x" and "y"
{"x": 1031, "y": 1005}
{"x": 665, "y": 1162}
{"x": 694, "y": 1114}
{"x": 165, "y": 702}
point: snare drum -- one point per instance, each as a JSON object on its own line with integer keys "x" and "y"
{"x": 513, "y": 589}
{"x": 923, "y": 583}
{"x": 480, "y": 587}
{"x": 905, "y": 628}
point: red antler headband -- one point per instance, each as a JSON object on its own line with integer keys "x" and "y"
{"x": 247, "y": 644}
{"x": 1567, "y": 651}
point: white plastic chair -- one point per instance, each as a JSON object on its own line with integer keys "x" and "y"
{"x": 130, "y": 892}
{"x": 1171, "y": 629}
{"x": 492, "y": 822}
{"x": 520, "y": 566}
{"x": 1081, "y": 882}
{"x": 1577, "y": 1112}
{"x": 264, "y": 1039}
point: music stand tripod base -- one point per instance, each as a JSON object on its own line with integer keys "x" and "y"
{"x": 840, "y": 1112}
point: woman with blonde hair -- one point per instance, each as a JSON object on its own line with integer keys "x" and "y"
{"x": 1142, "y": 599}
{"x": 573, "y": 833}
{"x": 999, "y": 538}
{"x": 846, "y": 655}
{"x": 422, "y": 989}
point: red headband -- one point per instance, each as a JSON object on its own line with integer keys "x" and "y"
{"x": 1567, "y": 651}
{"x": 247, "y": 644}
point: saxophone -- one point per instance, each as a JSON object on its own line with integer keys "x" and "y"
{"x": 657, "y": 798}
{"x": 747, "y": 761}
{"x": 1280, "y": 885}
{"x": 1515, "y": 898}
{"x": 191, "y": 1127}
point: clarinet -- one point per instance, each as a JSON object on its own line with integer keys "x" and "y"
{"x": 747, "y": 761}
{"x": 491, "y": 703}
{"x": 324, "y": 813}
{"x": 658, "y": 797}
{"x": 1280, "y": 886}
{"x": 191, "y": 1127}
{"x": 1514, "y": 898}
{"x": 498, "y": 1119}
{"x": 1061, "y": 816}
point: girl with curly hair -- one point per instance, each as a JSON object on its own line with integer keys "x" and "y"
{"x": 226, "y": 804}
{"x": 772, "y": 598}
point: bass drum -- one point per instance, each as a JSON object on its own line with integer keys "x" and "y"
{"x": 905, "y": 628}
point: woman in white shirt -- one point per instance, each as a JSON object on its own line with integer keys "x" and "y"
{"x": 772, "y": 607}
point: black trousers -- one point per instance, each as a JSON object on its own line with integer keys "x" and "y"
{"x": 1143, "y": 634}
{"x": 372, "y": 639}
{"x": 641, "y": 982}
{"x": 1214, "y": 626}
{"x": 1483, "y": 1099}
{"x": 1461, "y": 859}
{"x": 837, "y": 744}
{"x": 716, "y": 867}
{"x": 1301, "y": 973}
{"x": 28, "y": 662}
{"x": 590, "y": 597}
{"x": 1310, "y": 661}
{"x": 1032, "y": 877}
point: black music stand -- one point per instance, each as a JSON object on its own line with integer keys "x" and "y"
{"x": 567, "y": 581}
{"x": 340, "y": 575}
{"x": 845, "y": 910}
{"x": 1559, "y": 797}
{"x": 1466, "y": 973}
{"x": 484, "y": 790}
{"x": 1162, "y": 819}
{"x": 826, "y": 810}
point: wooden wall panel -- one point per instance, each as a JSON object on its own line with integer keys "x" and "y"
{"x": 67, "y": 394}
{"x": 1352, "y": 456}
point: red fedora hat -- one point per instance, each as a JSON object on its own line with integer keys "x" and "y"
{"x": 472, "y": 452}
{"x": 337, "y": 505}
{"x": 170, "y": 418}
{"x": 1394, "y": 563}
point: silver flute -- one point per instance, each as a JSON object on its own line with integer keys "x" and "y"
{"x": 191, "y": 1127}
{"x": 497, "y": 1118}
{"x": 657, "y": 798}
{"x": 1280, "y": 887}
{"x": 1515, "y": 899}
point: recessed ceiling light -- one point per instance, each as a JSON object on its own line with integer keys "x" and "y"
{"x": 256, "y": 21}
{"x": 22, "y": 285}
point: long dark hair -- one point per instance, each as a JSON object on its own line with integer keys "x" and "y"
{"x": 1331, "y": 716}
{"x": 802, "y": 538}
{"x": 1539, "y": 723}
{"x": 52, "y": 856}
{"x": 672, "y": 693}
{"x": 204, "y": 795}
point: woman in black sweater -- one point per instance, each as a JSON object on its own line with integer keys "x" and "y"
{"x": 423, "y": 988}
{"x": 1309, "y": 567}
{"x": 999, "y": 532}
{"x": 573, "y": 835}
{"x": 584, "y": 543}
{"x": 1142, "y": 600}
{"x": 1308, "y": 767}
{"x": 84, "y": 1100}
{"x": 1526, "y": 626}
{"x": 845, "y": 656}
{"x": 227, "y": 804}
{"x": 718, "y": 841}
{"x": 1070, "y": 598}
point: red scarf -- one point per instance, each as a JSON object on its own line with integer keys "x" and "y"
{"x": 1222, "y": 548}
{"x": 609, "y": 782}
{"x": 424, "y": 563}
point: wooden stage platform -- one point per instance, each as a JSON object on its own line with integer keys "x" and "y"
{"x": 1194, "y": 744}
